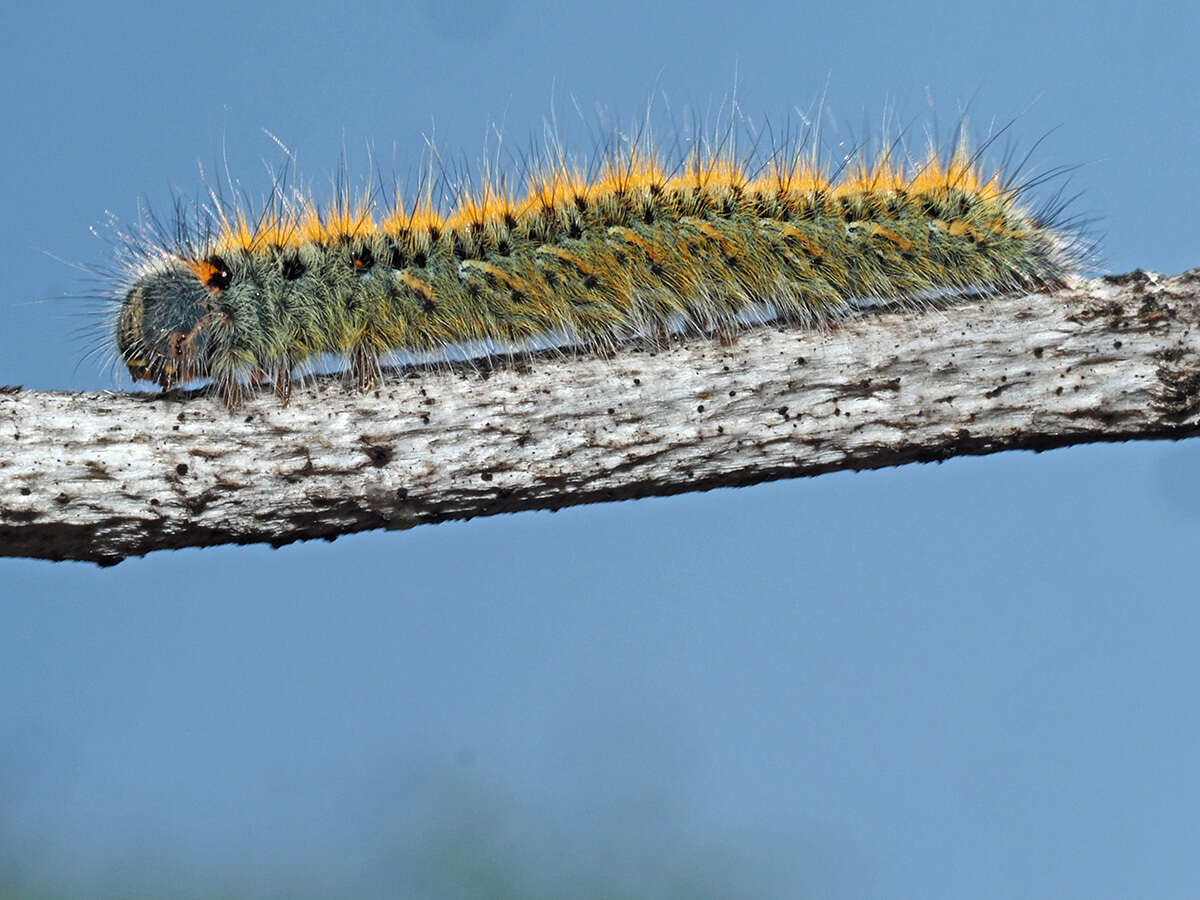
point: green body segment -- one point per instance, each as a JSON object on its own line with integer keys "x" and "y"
{"x": 601, "y": 271}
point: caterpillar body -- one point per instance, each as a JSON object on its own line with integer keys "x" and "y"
{"x": 638, "y": 252}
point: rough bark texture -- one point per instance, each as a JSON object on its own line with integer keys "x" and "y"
{"x": 104, "y": 476}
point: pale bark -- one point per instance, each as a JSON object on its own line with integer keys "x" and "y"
{"x": 103, "y": 476}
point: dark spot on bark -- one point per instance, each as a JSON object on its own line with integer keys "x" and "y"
{"x": 1180, "y": 393}
{"x": 198, "y": 504}
{"x": 379, "y": 454}
{"x": 1151, "y": 310}
{"x": 181, "y": 469}
{"x": 1135, "y": 277}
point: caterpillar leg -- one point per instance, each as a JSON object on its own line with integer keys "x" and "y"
{"x": 658, "y": 337}
{"x": 727, "y": 337}
{"x": 231, "y": 391}
{"x": 283, "y": 386}
{"x": 364, "y": 367}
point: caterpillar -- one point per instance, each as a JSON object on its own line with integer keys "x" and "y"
{"x": 637, "y": 251}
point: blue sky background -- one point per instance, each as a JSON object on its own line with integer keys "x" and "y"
{"x": 973, "y": 679}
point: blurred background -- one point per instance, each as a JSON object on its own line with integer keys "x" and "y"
{"x": 973, "y": 679}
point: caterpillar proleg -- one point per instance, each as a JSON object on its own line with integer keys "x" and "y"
{"x": 636, "y": 249}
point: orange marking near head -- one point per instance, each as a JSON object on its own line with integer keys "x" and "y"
{"x": 204, "y": 269}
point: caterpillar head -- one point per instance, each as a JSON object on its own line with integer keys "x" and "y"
{"x": 164, "y": 326}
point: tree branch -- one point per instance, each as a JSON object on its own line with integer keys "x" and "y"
{"x": 104, "y": 476}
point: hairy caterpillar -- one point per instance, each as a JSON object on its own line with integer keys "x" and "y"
{"x": 638, "y": 251}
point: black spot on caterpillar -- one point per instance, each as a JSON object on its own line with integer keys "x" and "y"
{"x": 712, "y": 246}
